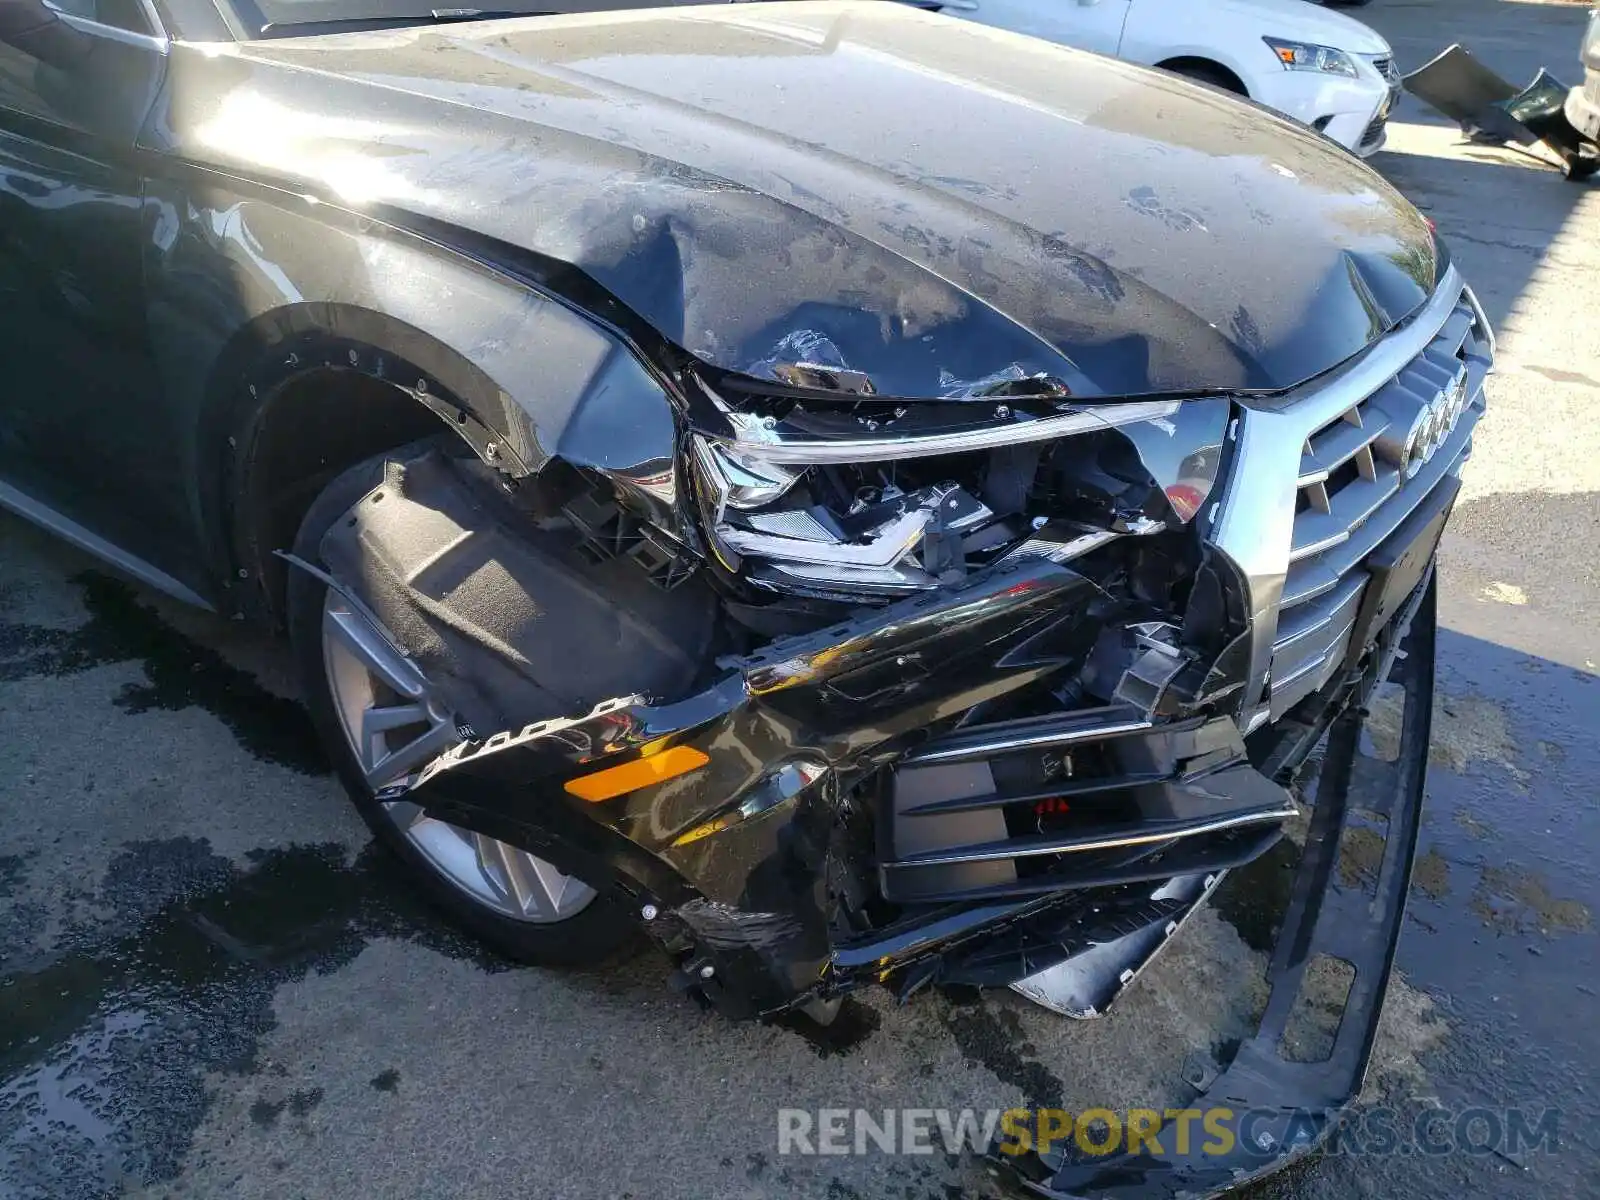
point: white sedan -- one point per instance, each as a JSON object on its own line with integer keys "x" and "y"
{"x": 1322, "y": 68}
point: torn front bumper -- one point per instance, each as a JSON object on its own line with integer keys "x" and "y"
{"x": 1488, "y": 107}
{"x": 981, "y": 783}
{"x": 745, "y": 866}
{"x": 1035, "y": 775}
{"x": 1269, "y": 1105}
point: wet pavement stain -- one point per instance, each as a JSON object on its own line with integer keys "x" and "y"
{"x": 265, "y": 1113}
{"x": 24, "y": 919}
{"x": 851, "y": 1026}
{"x": 1553, "y": 752}
{"x": 986, "y": 1040}
{"x": 1254, "y": 898}
{"x": 302, "y": 1102}
{"x": 182, "y": 673}
{"x": 1509, "y": 900}
{"x": 1478, "y": 831}
{"x": 187, "y": 992}
{"x": 1431, "y": 875}
{"x": 1360, "y": 855}
{"x": 11, "y": 869}
{"x": 386, "y": 1080}
{"x": 1468, "y": 730}
{"x": 1313, "y": 1024}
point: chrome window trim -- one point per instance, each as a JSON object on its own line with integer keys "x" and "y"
{"x": 156, "y": 42}
{"x": 1254, "y": 522}
{"x": 157, "y": 25}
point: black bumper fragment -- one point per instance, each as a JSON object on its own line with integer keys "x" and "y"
{"x": 1268, "y": 1108}
{"x": 1488, "y": 108}
{"x": 740, "y": 861}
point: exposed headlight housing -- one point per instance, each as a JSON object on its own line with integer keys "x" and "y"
{"x": 831, "y": 529}
{"x": 1307, "y": 56}
{"x": 874, "y": 515}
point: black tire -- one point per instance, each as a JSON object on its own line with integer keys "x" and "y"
{"x": 1206, "y": 73}
{"x": 593, "y": 935}
{"x": 1582, "y": 166}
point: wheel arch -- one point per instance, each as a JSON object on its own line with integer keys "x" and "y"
{"x": 313, "y": 388}
{"x": 272, "y": 313}
{"x": 1224, "y": 73}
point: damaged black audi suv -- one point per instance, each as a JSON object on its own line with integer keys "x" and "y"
{"x": 862, "y": 498}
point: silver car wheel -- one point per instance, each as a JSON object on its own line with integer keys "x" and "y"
{"x": 394, "y": 725}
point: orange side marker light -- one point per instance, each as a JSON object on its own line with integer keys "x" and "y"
{"x": 641, "y": 772}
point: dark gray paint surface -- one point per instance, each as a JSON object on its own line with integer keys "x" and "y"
{"x": 486, "y": 213}
{"x": 730, "y": 175}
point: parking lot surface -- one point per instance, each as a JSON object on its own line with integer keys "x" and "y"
{"x": 211, "y": 985}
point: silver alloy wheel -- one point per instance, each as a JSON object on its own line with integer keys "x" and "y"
{"x": 394, "y": 725}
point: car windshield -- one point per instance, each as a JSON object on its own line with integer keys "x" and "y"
{"x": 299, "y": 18}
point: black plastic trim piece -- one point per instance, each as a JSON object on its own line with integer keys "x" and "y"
{"x": 1277, "y": 1110}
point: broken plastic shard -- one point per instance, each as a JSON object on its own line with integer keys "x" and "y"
{"x": 1084, "y": 985}
{"x": 1009, "y": 381}
{"x": 802, "y": 345}
{"x": 807, "y": 358}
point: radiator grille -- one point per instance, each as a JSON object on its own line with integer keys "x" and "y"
{"x": 1360, "y": 475}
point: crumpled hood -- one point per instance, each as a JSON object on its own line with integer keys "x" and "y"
{"x": 925, "y": 201}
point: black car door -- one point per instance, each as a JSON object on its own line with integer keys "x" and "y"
{"x": 84, "y": 444}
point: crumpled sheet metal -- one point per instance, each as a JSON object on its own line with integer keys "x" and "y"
{"x": 717, "y": 178}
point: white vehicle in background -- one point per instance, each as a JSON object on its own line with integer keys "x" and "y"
{"x": 1322, "y": 68}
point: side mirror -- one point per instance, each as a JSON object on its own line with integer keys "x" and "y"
{"x": 40, "y": 30}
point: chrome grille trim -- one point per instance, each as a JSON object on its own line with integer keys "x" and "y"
{"x": 1440, "y": 391}
{"x": 1030, "y": 734}
{"x": 1336, "y": 445}
{"x": 1145, "y": 834}
{"x": 1312, "y": 577}
{"x": 1316, "y": 531}
{"x": 1366, "y": 533}
{"x": 1295, "y": 444}
{"x": 1312, "y": 640}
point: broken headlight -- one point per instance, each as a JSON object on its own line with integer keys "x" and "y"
{"x": 846, "y": 513}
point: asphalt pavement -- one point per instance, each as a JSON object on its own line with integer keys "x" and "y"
{"x": 212, "y": 985}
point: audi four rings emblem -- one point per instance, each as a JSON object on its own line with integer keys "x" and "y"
{"x": 1434, "y": 423}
